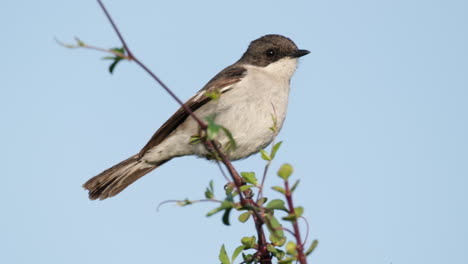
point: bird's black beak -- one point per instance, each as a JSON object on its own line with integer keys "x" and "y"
{"x": 299, "y": 53}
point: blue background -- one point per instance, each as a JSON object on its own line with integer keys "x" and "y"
{"x": 376, "y": 128}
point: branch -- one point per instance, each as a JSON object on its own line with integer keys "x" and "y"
{"x": 143, "y": 66}
{"x": 263, "y": 254}
{"x": 299, "y": 244}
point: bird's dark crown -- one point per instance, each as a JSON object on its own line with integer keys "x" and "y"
{"x": 268, "y": 49}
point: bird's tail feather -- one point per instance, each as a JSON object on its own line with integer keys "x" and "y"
{"x": 113, "y": 180}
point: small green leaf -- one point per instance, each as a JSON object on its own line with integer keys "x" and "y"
{"x": 224, "y": 205}
{"x": 290, "y": 217}
{"x": 285, "y": 171}
{"x": 249, "y": 177}
{"x": 232, "y": 145}
{"x": 194, "y": 140}
{"x": 214, "y": 95}
{"x": 246, "y": 187}
{"x": 291, "y": 248}
{"x": 184, "y": 202}
{"x": 276, "y": 232}
{"x": 265, "y": 155}
{"x": 209, "y": 193}
{"x": 271, "y": 249}
{"x": 244, "y": 216}
{"x": 299, "y": 211}
{"x": 226, "y": 216}
{"x": 274, "y": 128}
{"x": 279, "y": 189}
{"x": 214, "y": 211}
{"x": 286, "y": 261}
{"x": 261, "y": 201}
{"x": 223, "y": 257}
{"x": 276, "y": 204}
{"x": 112, "y": 66}
{"x": 275, "y": 149}
{"x": 237, "y": 252}
{"x": 79, "y": 42}
{"x": 213, "y": 128}
{"x": 248, "y": 242}
{"x": 295, "y": 186}
{"x": 312, "y": 247}
{"x": 248, "y": 258}
{"x": 279, "y": 254}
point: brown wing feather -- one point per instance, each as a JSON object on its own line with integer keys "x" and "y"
{"x": 226, "y": 77}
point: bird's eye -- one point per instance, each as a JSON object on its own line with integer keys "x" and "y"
{"x": 270, "y": 53}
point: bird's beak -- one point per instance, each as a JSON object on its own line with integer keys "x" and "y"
{"x": 299, "y": 53}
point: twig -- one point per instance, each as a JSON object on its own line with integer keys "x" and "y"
{"x": 143, "y": 66}
{"x": 265, "y": 256}
{"x": 299, "y": 245}
{"x": 189, "y": 202}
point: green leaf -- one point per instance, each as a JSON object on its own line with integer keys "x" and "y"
{"x": 299, "y": 211}
{"x": 276, "y": 204}
{"x": 286, "y": 261}
{"x": 194, "y": 140}
{"x": 274, "y": 128}
{"x": 237, "y": 252}
{"x": 261, "y": 201}
{"x": 276, "y": 232}
{"x": 209, "y": 193}
{"x": 232, "y": 143}
{"x": 249, "y": 177}
{"x": 279, "y": 254}
{"x": 290, "y": 217}
{"x": 295, "y": 186}
{"x": 224, "y": 205}
{"x": 79, "y": 42}
{"x": 248, "y": 258}
{"x": 184, "y": 202}
{"x": 279, "y": 189}
{"x": 271, "y": 249}
{"x": 244, "y": 216}
{"x": 226, "y": 216}
{"x": 291, "y": 248}
{"x": 312, "y": 247}
{"x": 112, "y": 66}
{"x": 265, "y": 155}
{"x": 213, "y": 128}
{"x": 248, "y": 242}
{"x": 275, "y": 149}
{"x": 214, "y": 95}
{"x": 246, "y": 187}
{"x": 285, "y": 171}
{"x": 223, "y": 257}
{"x": 214, "y": 211}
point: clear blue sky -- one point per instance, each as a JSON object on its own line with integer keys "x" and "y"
{"x": 376, "y": 129}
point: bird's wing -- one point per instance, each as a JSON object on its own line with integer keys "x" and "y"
{"x": 221, "y": 83}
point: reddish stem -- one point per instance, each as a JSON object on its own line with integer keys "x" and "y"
{"x": 299, "y": 245}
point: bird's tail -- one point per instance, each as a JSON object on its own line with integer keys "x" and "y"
{"x": 113, "y": 180}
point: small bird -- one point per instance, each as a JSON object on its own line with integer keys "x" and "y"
{"x": 248, "y": 94}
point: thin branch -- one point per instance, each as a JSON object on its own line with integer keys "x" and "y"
{"x": 264, "y": 255}
{"x": 143, "y": 66}
{"x": 189, "y": 202}
{"x": 223, "y": 172}
{"x": 299, "y": 245}
{"x": 86, "y": 46}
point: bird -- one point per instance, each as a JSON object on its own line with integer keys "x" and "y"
{"x": 251, "y": 95}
